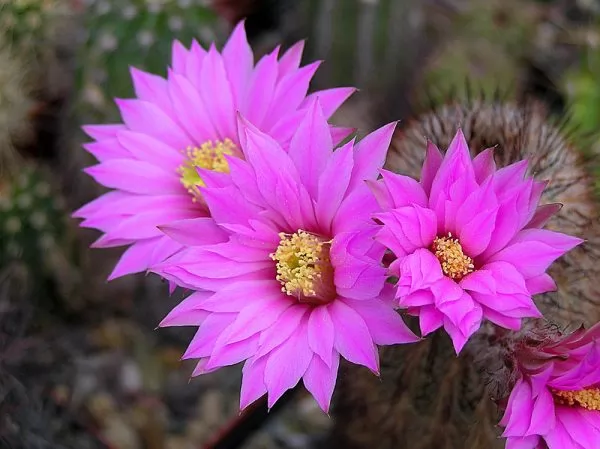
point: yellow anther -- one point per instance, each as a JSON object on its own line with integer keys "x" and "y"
{"x": 211, "y": 156}
{"x": 304, "y": 268}
{"x": 455, "y": 263}
{"x": 588, "y": 398}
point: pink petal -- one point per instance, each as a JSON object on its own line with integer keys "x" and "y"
{"x": 430, "y": 319}
{"x": 542, "y": 416}
{"x": 135, "y": 259}
{"x": 356, "y": 211}
{"x": 194, "y": 114}
{"x": 287, "y": 363}
{"x": 407, "y": 229}
{"x": 194, "y": 231}
{"x": 101, "y": 132}
{"x": 404, "y": 190}
{"x": 286, "y": 325}
{"x": 330, "y": 99}
{"x": 541, "y": 284}
{"x": 151, "y": 88}
{"x": 321, "y": 333}
{"x": 148, "y": 118}
{"x": 370, "y": 154}
{"x": 290, "y": 61}
{"x": 99, "y": 204}
{"x": 356, "y": 276}
{"x": 180, "y": 56}
{"x": 232, "y": 353}
{"x": 533, "y": 250}
{"x": 384, "y": 323}
{"x": 236, "y": 296}
{"x": 253, "y": 381}
{"x": 216, "y": 94}
{"x": 239, "y": 62}
{"x": 431, "y": 165}
{"x": 543, "y": 214}
{"x": 146, "y": 148}
{"x": 340, "y": 133}
{"x": 484, "y": 165}
{"x": 420, "y": 270}
{"x": 134, "y": 176}
{"x": 455, "y": 178}
{"x": 258, "y": 315}
{"x": 352, "y": 338}
{"x": 107, "y": 149}
{"x": 333, "y": 185}
{"x": 521, "y": 405}
{"x": 311, "y": 148}
{"x": 226, "y": 205}
{"x": 262, "y": 89}
{"x": 194, "y": 64}
{"x": 289, "y": 93}
{"x": 279, "y": 186}
{"x": 204, "y": 340}
{"x": 188, "y": 312}
{"x": 320, "y": 379}
{"x": 475, "y": 235}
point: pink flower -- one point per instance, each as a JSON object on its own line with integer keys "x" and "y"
{"x": 178, "y": 131}
{"x": 555, "y": 402}
{"x": 468, "y": 241}
{"x": 288, "y": 274}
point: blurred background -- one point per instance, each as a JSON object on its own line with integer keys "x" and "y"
{"x": 81, "y": 364}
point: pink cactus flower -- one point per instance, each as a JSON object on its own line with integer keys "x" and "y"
{"x": 555, "y": 403}
{"x": 467, "y": 241}
{"x": 287, "y": 273}
{"x": 181, "y": 128}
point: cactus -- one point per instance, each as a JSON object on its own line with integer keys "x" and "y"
{"x": 35, "y": 242}
{"x": 38, "y": 31}
{"x": 428, "y": 398}
{"x": 136, "y": 33}
{"x": 15, "y": 103}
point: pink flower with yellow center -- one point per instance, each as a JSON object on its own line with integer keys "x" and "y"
{"x": 287, "y": 273}
{"x": 468, "y": 241}
{"x": 555, "y": 403}
{"x": 180, "y": 130}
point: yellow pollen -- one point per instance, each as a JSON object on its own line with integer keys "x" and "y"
{"x": 588, "y": 398}
{"x": 455, "y": 263}
{"x": 211, "y": 156}
{"x": 304, "y": 268}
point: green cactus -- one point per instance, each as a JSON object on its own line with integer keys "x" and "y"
{"x": 37, "y": 30}
{"x": 32, "y": 220}
{"x": 15, "y": 104}
{"x": 138, "y": 33}
{"x": 36, "y": 242}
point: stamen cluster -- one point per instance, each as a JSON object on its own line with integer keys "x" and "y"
{"x": 303, "y": 266}
{"x": 210, "y": 156}
{"x": 455, "y": 263}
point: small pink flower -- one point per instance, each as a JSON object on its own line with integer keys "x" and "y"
{"x": 467, "y": 240}
{"x": 179, "y": 130}
{"x": 555, "y": 402}
{"x": 287, "y": 273}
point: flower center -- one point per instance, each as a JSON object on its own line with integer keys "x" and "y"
{"x": 455, "y": 263}
{"x": 304, "y": 268}
{"x": 211, "y": 156}
{"x": 588, "y": 398}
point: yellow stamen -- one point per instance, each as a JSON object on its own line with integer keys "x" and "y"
{"x": 304, "y": 268}
{"x": 455, "y": 263}
{"x": 588, "y": 398}
{"x": 211, "y": 156}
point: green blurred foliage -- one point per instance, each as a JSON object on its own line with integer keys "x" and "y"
{"x": 123, "y": 33}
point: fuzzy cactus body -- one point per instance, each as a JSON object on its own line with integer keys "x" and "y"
{"x": 425, "y": 390}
